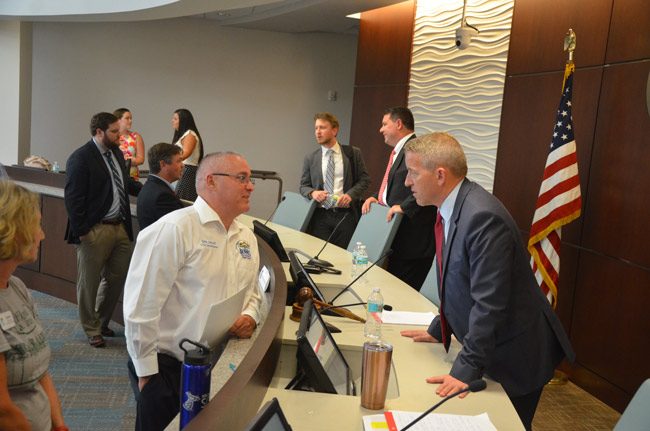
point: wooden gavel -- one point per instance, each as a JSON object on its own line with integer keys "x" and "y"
{"x": 305, "y": 294}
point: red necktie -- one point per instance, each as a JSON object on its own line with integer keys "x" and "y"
{"x": 384, "y": 182}
{"x": 444, "y": 326}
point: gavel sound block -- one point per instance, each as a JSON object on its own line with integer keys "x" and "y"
{"x": 305, "y": 294}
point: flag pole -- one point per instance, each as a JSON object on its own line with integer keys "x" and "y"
{"x": 560, "y": 377}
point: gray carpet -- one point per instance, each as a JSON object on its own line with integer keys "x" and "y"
{"x": 92, "y": 383}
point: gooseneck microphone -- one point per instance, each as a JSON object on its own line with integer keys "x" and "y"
{"x": 386, "y": 306}
{"x": 274, "y": 210}
{"x": 474, "y": 386}
{"x": 382, "y": 257}
{"x": 315, "y": 261}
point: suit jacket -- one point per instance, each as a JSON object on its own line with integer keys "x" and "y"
{"x": 155, "y": 200}
{"x": 355, "y": 177}
{"x": 415, "y": 237}
{"x": 492, "y": 301}
{"x": 89, "y": 190}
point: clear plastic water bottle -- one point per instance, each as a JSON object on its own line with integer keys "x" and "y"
{"x": 355, "y": 251}
{"x": 374, "y": 309}
{"x": 55, "y": 168}
{"x": 362, "y": 259}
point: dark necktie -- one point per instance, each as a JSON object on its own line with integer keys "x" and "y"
{"x": 117, "y": 182}
{"x": 444, "y": 326}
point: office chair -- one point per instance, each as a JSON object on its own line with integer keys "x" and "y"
{"x": 429, "y": 288}
{"x": 294, "y": 211}
{"x": 374, "y": 232}
{"x": 637, "y": 414}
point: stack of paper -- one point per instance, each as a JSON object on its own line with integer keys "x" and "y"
{"x": 407, "y": 317}
{"x": 396, "y": 420}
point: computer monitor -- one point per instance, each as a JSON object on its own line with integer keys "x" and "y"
{"x": 269, "y": 418}
{"x": 301, "y": 277}
{"x": 271, "y": 238}
{"x": 319, "y": 358}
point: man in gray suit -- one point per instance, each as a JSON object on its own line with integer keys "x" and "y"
{"x": 490, "y": 299}
{"x": 335, "y": 176}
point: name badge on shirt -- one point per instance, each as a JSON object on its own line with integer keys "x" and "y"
{"x": 7, "y": 320}
{"x": 244, "y": 249}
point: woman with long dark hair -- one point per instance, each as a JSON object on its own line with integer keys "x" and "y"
{"x": 188, "y": 138}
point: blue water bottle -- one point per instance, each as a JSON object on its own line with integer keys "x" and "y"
{"x": 195, "y": 381}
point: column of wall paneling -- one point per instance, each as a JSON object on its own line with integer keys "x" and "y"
{"x": 381, "y": 80}
{"x": 605, "y": 273}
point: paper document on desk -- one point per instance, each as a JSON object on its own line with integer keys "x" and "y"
{"x": 395, "y": 420}
{"x": 407, "y": 317}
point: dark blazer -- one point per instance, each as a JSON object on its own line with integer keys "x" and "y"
{"x": 492, "y": 301}
{"x": 355, "y": 177}
{"x": 415, "y": 238}
{"x": 155, "y": 200}
{"x": 89, "y": 190}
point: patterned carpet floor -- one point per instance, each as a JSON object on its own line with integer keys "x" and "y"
{"x": 92, "y": 383}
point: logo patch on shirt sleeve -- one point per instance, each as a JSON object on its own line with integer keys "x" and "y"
{"x": 244, "y": 249}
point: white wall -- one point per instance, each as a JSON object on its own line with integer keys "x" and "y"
{"x": 250, "y": 91}
{"x": 460, "y": 91}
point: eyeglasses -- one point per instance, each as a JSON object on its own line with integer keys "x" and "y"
{"x": 241, "y": 178}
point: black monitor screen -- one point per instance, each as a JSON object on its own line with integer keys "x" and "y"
{"x": 301, "y": 277}
{"x": 269, "y": 418}
{"x": 271, "y": 238}
{"x": 319, "y": 357}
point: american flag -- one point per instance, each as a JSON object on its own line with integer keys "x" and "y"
{"x": 559, "y": 200}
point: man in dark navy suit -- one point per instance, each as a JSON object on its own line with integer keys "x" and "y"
{"x": 99, "y": 224}
{"x": 490, "y": 300}
{"x": 157, "y": 196}
{"x": 414, "y": 244}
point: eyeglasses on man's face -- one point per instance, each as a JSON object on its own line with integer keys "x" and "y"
{"x": 241, "y": 178}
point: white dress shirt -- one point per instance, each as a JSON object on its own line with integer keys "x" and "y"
{"x": 181, "y": 265}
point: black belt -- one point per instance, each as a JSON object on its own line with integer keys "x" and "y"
{"x": 113, "y": 221}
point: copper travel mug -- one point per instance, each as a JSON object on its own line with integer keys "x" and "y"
{"x": 375, "y": 369}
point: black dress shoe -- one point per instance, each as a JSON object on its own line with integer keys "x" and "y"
{"x": 96, "y": 341}
{"x": 108, "y": 332}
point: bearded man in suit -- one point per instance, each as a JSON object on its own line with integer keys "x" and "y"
{"x": 490, "y": 300}
{"x": 99, "y": 224}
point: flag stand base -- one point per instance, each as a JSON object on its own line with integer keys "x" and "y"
{"x": 559, "y": 378}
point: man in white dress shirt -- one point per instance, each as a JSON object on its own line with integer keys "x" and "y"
{"x": 181, "y": 265}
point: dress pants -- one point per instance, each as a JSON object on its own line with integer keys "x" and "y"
{"x": 525, "y": 405}
{"x": 323, "y": 222}
{"x": 159, "y": 402}
{"x": 105, "y": 252}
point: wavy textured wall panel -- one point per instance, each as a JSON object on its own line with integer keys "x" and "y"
{"x": 460, "y": 91}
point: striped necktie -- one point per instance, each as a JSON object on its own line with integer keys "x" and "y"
{"x": 117, "y": 182}
{"x": 384, "y": 182}
{"x": 329, "y": 179}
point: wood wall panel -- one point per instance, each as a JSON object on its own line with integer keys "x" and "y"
{"x": 629, "y": 35}
{"x": 384, "y": 47}
{"x": 610, "y": 323}
{"x": 539, "y": 26}
{"x": 59, "y": 257}
{"x": 529, "y": 108}
{"x": 617, "y": 211}
{"x": 382, "y": 79}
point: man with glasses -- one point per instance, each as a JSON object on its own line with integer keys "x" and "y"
{"x": 182, "y": 264}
